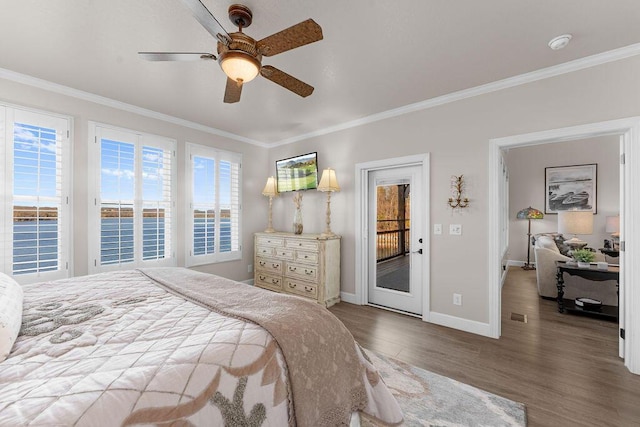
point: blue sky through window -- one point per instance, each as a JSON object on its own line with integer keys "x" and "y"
{"x": 34, "y": 161}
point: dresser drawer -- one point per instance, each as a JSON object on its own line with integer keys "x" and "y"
{"x": 308, "y": 257}
{"x": 306, "y": 272}
{"x": 269, "y": 282}
{"x": 305, "y": 245}
{"x": 301, "y": 288}
{"x": 283, "y": 253}
{"x": 268, "y": 265}
{"x": 270, "y": 241}
{"x": 265, "y": 251}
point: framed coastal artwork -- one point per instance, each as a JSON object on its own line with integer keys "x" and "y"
{"x": 571, "y": 188}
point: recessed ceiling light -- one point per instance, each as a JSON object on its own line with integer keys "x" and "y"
{"x": 560, "y": 41}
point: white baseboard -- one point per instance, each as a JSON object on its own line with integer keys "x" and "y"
{"x": 459, "y": 323}
{"x": 248, "y": 282}
{"x": 348, "y": 297}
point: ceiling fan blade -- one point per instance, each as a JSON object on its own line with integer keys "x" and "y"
{"x": 232, "y": 91}
{"x": 206, "y": 18}
{"x": 299, "y": 35}
{"x": 286, "y": 81}
{"x": 176, "y": 56}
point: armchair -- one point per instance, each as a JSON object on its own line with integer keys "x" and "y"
{"x": 546, "y": 254}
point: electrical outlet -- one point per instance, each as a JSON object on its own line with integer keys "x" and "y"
{"x": 437, "y": 228}
{"x": 455, "y": 229}
{"x": 457, "y": 299}
{"x": 250, "y": 268}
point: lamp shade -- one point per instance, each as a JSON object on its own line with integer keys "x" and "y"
{"x": 328, "y": 181}
{"x": 270, "y": 189}
{"x": 575, "y": 222}
{"x": 612, "y": 224}
{"x": 529, "y": 213}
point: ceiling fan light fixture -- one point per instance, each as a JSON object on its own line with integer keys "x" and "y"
{"x": 239, "y": 66}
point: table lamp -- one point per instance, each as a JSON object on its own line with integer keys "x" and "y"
{"x": 328, "y": 184}
{"x": 270, "y": 190}
{"x": 575, "y": 222}
{"x": 612, "y": 227}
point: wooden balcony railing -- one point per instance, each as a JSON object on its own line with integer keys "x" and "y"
{"x": 394, "y": 242}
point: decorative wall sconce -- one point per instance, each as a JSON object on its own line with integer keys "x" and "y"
{"x": 457, "y": 187}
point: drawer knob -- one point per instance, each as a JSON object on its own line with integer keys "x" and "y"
{"x": 306, "y": 256}
{"x": 275, "y": 265}
{"x": 274, "y": 281}
{"x": 308, "y": 272}
{"x": 262, "y": 277}
{"x": 262, "y": 263}
{"x": 292, "y": 268}
{"x": 308, "y": 289}
{"x": 292, "y": 286}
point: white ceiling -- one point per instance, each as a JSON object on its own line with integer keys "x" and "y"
{"x": 375, "y": 56}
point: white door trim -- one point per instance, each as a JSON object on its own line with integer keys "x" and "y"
{"x": 362, "y": 188}
{"x": 629, "y": 130}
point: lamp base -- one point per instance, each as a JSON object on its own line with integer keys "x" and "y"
{"x": 528, "y": 267}
{"x": 575, "y": 243}
{"x": 269, "y": 230}
{"x": 327, "y": 234}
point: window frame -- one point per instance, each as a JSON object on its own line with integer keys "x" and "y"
{"x": 192, "y": 149}
{"x": 139, "y": 139}
{"x": 64, "y": 124}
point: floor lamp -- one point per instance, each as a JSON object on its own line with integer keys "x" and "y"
{"x": 529, "y": 214}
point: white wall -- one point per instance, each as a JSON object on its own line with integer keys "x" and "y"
{"x": 526, "y": 187}
{"x": 457, "y": 136}
{"x": 253, "y": 176}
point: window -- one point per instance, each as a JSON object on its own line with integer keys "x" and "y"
{"x": 35, "y": 154}
{"x": 213, "y": 225}
{"x": 133, "y": 203}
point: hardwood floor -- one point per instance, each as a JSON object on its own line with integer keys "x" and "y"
{"x": 565, "y": 368}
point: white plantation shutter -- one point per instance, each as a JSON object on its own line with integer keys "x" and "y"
{"x": 213, "y": 226}
{"x": 134, "y": 200}
{"x": 36, "y": 155}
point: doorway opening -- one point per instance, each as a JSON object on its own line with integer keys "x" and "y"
{"x": 629, "y": 132}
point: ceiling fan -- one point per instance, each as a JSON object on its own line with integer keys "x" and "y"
{"x": 239, "y": 55}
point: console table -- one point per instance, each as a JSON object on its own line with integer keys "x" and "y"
{"x": 592, "y": 273}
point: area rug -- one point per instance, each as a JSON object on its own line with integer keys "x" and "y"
{"x": 429, "y": 399}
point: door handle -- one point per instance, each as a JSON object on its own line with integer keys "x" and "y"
{"x": 419, "y": 251}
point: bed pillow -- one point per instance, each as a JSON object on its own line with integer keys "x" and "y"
{"x": 10, "y": 313}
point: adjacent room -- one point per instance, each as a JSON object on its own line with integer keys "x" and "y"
{"x": 319, "y": 213}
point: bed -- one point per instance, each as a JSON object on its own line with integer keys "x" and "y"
{"x": 171, "y": 346}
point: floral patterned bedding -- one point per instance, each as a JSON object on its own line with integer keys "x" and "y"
{"x": 121, "y": 349}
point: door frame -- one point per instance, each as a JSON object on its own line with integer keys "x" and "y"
{"x": 361, "y": 231}
{"x": 629, "y": 131}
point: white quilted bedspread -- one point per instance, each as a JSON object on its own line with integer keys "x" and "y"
{"x": 118, "y": 350}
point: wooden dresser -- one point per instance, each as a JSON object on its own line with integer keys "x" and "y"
{"x": 300, "y": 264}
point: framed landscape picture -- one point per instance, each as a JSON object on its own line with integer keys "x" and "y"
{"x": 571, "y": 188}
{"x": 297, "y": 173}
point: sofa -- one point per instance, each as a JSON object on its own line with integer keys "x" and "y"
{"x": 549, "y": 248}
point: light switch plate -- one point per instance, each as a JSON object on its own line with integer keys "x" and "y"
{"x": 437, "y": 228}
{"x": 455, "y": 229}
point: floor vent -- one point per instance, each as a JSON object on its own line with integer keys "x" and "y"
{"x": 519, "y": 317}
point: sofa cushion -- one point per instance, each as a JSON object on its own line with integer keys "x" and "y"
{"x": 547, "y": 242}
{"x": 10, "y": 313}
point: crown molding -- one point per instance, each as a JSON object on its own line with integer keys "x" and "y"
{"x": 112, "y": 103}
{"x": 533, "y": 76}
